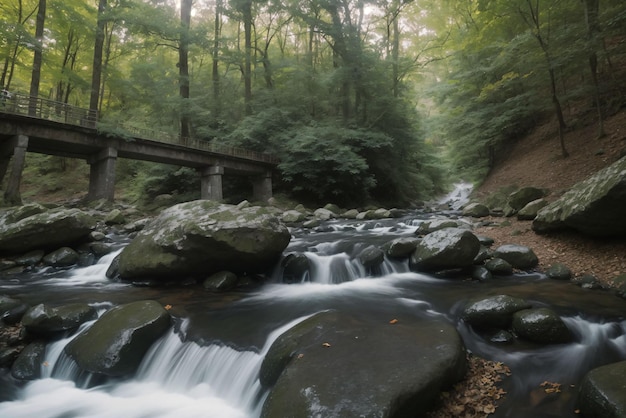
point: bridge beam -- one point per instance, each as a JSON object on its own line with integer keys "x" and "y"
{"x": 102, "y": 174}
{"x": 262, "y": 187}
{"x": 16, "y": 147}
{"x": 211, "y": 183}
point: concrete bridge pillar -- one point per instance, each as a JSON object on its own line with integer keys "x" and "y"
{"x": 262, "y": 187}
{"x": 102, "y": 174}
{"x": 211, "y": 183}
{"x": 16, "y": 147}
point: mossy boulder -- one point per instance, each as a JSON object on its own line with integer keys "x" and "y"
{"x": 476, "y": 210}
{"x": 119, "y": 339}
{"x": 50, "y": 229}
{"x": 520, "y": 198}
{"x": 203, "y": 237}
{"x": 594, "y": 206}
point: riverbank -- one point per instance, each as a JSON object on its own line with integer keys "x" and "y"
{"x": 536, "y": 161}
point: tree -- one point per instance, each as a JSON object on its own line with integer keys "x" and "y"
{"x": 97, "y": 56}
{"x": 183, "y": 65}
{"x": 38, "y": 57}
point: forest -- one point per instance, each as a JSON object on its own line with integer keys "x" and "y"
{"x": 363, "y": 101}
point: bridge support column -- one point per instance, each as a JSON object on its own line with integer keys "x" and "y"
{"x": 211, "y": 183}
{"x": 16, "y": 147}
{"x": 262, "y": 187}
{"x": 102, "y": 174}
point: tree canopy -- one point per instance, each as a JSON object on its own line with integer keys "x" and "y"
{"x": 356, "y": 97}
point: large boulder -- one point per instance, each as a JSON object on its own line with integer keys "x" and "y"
{"x": 119, "y": 339}
{"x": 341, "y": 365}
{"x": 520, "y": 198}
{"x": 50, "y": 229}
{"x": 603, "y": 392}
{"x": 203, "y": 237}
{"x": 444, "y": 249}
{"x": 594, "y": 206}
{"x": 48, "y": 320}
{"x": 476, "y": 210}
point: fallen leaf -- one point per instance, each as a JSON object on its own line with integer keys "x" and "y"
{"x": 393, "y": 321}
{"x": 168, "y": 307}
{"x": 300, "y": 356}
{"x": 326, "y": 345}
{"x": 45, "y": 364}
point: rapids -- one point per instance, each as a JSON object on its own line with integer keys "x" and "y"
{"x": 207, "y": 366}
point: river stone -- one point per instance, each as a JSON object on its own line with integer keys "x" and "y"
{"x": 324, "y": 214}
{"x": 427, "y": 227}
{"x": 7, "y": 303}
{"x": 337, "y": 364}
{"x": 295, "y": 267}
{"x": 480, "y": 273}
{"x": 63, "y": 257}
{"x": 293, "y": 216}
{"x": 483, "y": 255}
{"x": 559, "y": 271}
{"x": 529, "y": 212}
{"x": 603, "y": 392}
{"x": 220, "y": 281}
{"x": 402, "y": 247}
{"x": 519, "y": 256}
{"x": 46, "y": 320}
{"x": 520, "y": 198}
{"x": 51, "y": 229}
{"x": 118, "y": 341}
{"x": 371, "y": 257}
{"x": 350, "y": 214}
{"x": 493, "y": 312}
{"x": 15, "y": 314}
{"x": 27, "y": 366}
{"x": 203, "y": 237}
{"x": 448, "y": 248}
{"x": 476, "y": 210}
{"x": 30, "y": 258}
{"x": 333, "y": 208}
{"x": 499, "y": 267}
{"x": 594, "y": 206}
{"x": 541, "y": 325}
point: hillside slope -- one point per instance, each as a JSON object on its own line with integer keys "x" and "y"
{"x": 536, "y": 161}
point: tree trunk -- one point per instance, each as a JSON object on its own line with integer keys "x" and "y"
{"x": 96, "y": 75}
{"x": 247, "y": 68}
{"x": 592, "y": 9}
{"x": 183, "y": 66}
{"x": 559, "y": 114}
{"x": 37, "y": 60}
{"x": 215, "y": 76}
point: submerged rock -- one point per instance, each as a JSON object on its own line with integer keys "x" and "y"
{"x": 339, "y": 365}
{"x": 204, "y": 237}
{"x": 295, "y": 267}
{"x": 118, "y": 341}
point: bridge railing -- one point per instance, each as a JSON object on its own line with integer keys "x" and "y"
{"x": 37, "y": 107}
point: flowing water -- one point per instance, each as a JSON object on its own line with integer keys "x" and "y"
{"x": 207, "y": 365}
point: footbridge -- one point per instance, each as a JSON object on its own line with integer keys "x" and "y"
{"x": 32, "y": 124}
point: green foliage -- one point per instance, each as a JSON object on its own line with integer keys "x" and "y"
{"x": 158, "y": 179}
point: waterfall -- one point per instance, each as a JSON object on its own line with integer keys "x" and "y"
{"x": 175, "y": 379}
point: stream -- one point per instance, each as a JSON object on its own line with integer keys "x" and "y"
{"x": 207, "y": 365}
